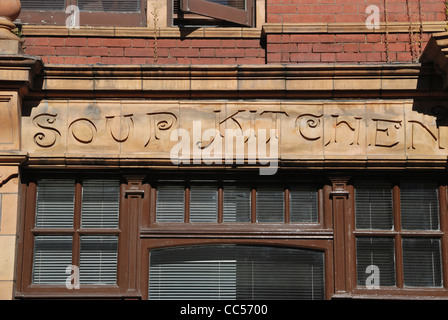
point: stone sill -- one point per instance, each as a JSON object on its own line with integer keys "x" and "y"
{"x": 268, "y": 28}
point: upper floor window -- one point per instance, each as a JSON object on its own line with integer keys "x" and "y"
{"x": 212, "y": 12}
{"x": 91, "y": 12}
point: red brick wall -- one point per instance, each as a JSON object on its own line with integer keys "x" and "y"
{"x": 81, "y": 50}
{"x": 278, "y": 48}
{"x": 325, "y": 11}
{"x": 342, "y": 48}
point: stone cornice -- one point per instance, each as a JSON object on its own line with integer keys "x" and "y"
{"x": 20, "y": 72}
{"x": 239, "y": 81}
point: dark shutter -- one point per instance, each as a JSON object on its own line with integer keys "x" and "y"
{"x": 303, "y": 205}
{"x": 236, "y": 204}
{"x": 203, "y": 204}
{"x": 170, "y": 203}
{"x": 109, "y": 5}
{"x": 422, "y": 262}
{"x": 419, "y": 206}
{"x": 236, "y": 11}
{"x": 39, "y": 5}
{"x": 100, "y": 204}
{"x": 270, "y": 204}
{"x": 55, "y": 203}
{"x": 236, "y": 272}
{"x": 52, "y": 256}
{"x": 374, "y": 209}
{"x": 378, "y": 252}
{"x": 98, "y": 259}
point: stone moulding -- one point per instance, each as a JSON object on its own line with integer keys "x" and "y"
{"x": 240, "y": 81}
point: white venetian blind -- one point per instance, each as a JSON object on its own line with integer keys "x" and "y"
{"x": 422, "y": 265}
{"x": 374, "y": 209}
{"x": 379, "y": 252}
{"x": 270, "y": 204}
{"x": 40, "y": 5}
{"x": 236, "y": 204}
{"x": 98, "y": 259}
{"x": 170, "y": 203}
{"x": 419, "y": 206}
{"x": 109, "y": 5}
{"x": 303, "y": 205}
{"x": 55, "y": 203}
{"x": 203, "y": 203}
{"x": 236, "y": 272}
{"x": 100, "y": 204}
{"x": 52, "y": 255}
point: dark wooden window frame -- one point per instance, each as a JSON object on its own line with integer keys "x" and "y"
{"x": 87, "y": 18}
{"x": 26, "y": 249}
{"x": 323, "y": 226}
{"x": 399, "y": 290}
{"x": 322, "y": 245}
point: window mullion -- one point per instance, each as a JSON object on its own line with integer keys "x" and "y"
{"x": 187, "y": 205}
{"x": 253, "y": 209}
{"x": 77, "y": 223}
{"x": 220, "y": 205}
{"x": 287, "y": 201}
{"x": 398, "y": 237}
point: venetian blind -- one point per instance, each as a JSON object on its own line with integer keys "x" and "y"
{"x": 39, "y": 5}
{"x": 303, "y": 205}
{"x": 419, "y": 206}
{"x": 270, "y": 204}
{"x": 378, "y": 252}
{"x": 236, "y": 204}
{"x": 239, "y": 4}
{"x": 98, "y": 259}
{"x": 374, "y": 209}
{"x": 422, "y": 262}
{"x": 203, "y": 204}
{"x": 55, "y": 203}
{"x": 170, "y": 203}
{"x": 100, "y": 204}
{"x": 236, "y": 272}
{"x": 52, "y": 255}
{"x": 109, "y": 5}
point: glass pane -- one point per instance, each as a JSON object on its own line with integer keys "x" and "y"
{"x": 52, "y": 256}
{"x": 203, "y": 204}
{"x": 170, "y": 203}
{"x": 377, "y": 252}
{"x": 236, "y": 272}
{"x": 43, "y": 5}
{"x": 236, "y": 204}
{"x": 419, "y": 206}
{"x": 98, "y": 260}
{"x": 55, "y": 203}
{"x": 100, "y": 204}
{"x": 303, "y": 205}
{"x": 109, "y": 5}
{"x": 374, "y": 209}
{"x": 270, "y": 205}
{"x": 422, "y": 262}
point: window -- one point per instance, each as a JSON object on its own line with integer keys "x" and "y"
{"x": 230, "y": 202}
{"x": 399, "y": 230}
{"x": 91, "y": 12}
{"x": 233, "y": 272}
{"x": 213, "y": 12}
{"x": 73, "y": 228}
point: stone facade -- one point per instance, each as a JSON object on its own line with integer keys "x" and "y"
{"x": 113, "y": 97}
